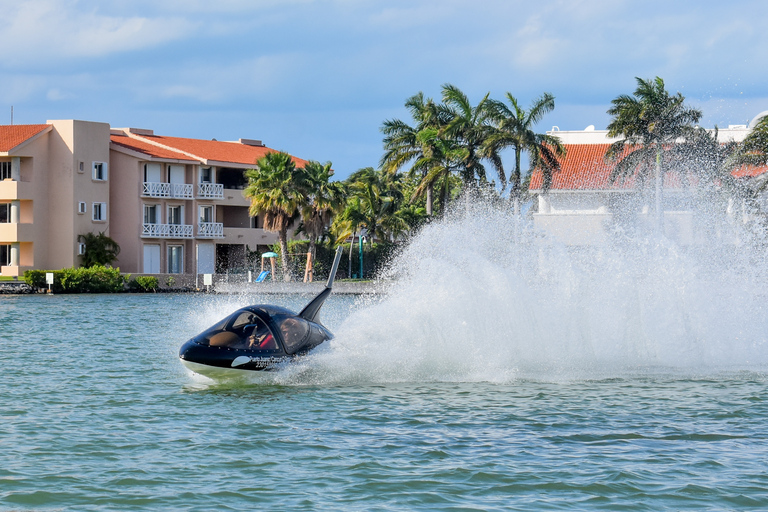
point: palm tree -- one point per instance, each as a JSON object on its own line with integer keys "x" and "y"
{"x": 379, "y": 196}
{"x": 322, "y": 199}
{"x": 651, "y": 121}
{"x": 469, "y": 127}
{"x": 274, "y": 190}
{"x": 420, "y": 144}
{"x": 514, "y": 129}
{"x": 99, "y": 249}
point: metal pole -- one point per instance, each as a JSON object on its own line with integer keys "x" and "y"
{"x": 362, "y": 238}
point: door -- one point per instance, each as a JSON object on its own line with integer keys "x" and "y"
{"x": 152, "y": 173}
{"x": 176, "y": 174}
{"x": 152, "y": 258}
{"x": 205, "y": 258}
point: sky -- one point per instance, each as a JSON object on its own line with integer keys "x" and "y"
{"x": 317, "y": 78}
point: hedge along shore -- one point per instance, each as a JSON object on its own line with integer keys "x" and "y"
{"x": 269, "y": 288}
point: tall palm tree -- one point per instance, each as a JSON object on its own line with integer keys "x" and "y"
{"x": 514, "y": 129}
{"x": 650, "y": 122}
{"x": 322, "y": 199}
{"x": 469, "y": 127}
{"x": 274, "y": 188}
{"x": 379, "y": 196}
{"x": 420, "y": 144}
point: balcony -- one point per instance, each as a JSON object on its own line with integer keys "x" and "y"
{"x": 210, "y": 191}
{"x": 170, "y": 190}
{"x": 166, "y": 231}
{"x": 210, "y": 230}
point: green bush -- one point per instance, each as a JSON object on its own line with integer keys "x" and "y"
{"x": 143, "y": 284}
{"x": 97, "y": 279}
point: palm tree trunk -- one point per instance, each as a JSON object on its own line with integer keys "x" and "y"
{"x": 659, "y": 194}
{"x": 283, "y": 235}
{"x": 351, "y": 245}
{"x": 429, "y": 200}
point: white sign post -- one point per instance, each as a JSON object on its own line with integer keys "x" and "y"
{"x": 208, "y": 281}
{"x": 49, "y": 280}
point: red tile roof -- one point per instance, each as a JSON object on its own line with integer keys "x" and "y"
{"x": 584, "y": 168}
{"x": 749, "y": 171}
{"x": 13, "y": 135}
{"x": 216, "y": 151}
{"x": 148, "y": 149}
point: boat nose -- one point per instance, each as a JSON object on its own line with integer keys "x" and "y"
{"x": 187, "y": 349}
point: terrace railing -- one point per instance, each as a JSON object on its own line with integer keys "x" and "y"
{"x": 210, "y": 191}
{"x": 210, "y": 230}
{"x": 166, "y": 231}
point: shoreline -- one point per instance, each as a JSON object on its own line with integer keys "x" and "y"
{"x": 223, "y": 288}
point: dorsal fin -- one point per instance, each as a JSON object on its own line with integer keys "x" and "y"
{"x": 310, "y": 310}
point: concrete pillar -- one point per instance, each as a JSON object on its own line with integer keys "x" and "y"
{"x": 16, "y": 168}
{"x": 14, "y": 255}
{"x": 15, "y": 205}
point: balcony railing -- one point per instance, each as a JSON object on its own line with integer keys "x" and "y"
{"x": 175, "y": 190}
{"x": 166, "y": 231}
{"x": 210, "y": 191}
{"x": 210, "y": 230}
{"x": 181, "y": 190}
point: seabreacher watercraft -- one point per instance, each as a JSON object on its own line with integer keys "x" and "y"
{"x": 258, "y": 337}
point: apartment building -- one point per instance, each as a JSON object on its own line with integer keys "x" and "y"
{"x": 54, "y": 186}
{"x": 174, "y": 205}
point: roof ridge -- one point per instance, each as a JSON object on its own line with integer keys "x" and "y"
{"x": 164, "y": 146}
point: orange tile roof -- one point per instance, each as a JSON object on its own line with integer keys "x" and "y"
{"x": 217, "y": 151}
{"x": 148, "y": 149}
{"x": 584, "y": 168}
{"x": 749, "y": 171}
{"x": 13, "y": 135}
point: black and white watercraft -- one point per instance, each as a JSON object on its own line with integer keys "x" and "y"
{"x": 258, "y": 337}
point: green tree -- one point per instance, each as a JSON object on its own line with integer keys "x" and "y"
{"x": 423, "y": 144}
{"x": 274, "y": 189}
{"x": 514, "y": 129}
{"x": 321, "y": 200}
{"x": 649, "y": 122}
{"x": 469, "y": 128}
{"x": 100, "y": 250}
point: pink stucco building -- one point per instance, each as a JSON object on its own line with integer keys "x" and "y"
{"x": 174, "y": 205}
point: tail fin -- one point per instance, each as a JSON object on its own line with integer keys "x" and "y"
{"x": 310, "y": 310}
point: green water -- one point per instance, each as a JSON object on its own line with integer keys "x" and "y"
{"x": 97, "y": 413}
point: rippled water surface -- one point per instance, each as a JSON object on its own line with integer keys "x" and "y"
{"x": 97, "y": 413}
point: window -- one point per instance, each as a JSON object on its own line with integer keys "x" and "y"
{"x": 100, "y": 171}
{"x": 206, "y": 214}
{"x": 81, "y": 248}
{"x": 99, "y": 211}
{"x": 152, "y": 173}
{"x": 81, "y": 167}
{"x": 81, "y": 207}
{"x": 5, "y": 170}
{"x": 5, "y": 213}
{"x": 206, "y": 175}
{"x": 175, "y": 259}
{"x": 150, "y": 214}
{"x": 174, "y": 215}
{"x": 5, "y": 254}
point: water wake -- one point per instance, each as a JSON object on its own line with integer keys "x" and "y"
{"x": 471, "y": 299}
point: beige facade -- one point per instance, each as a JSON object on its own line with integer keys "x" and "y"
{"x": 173, "y": 205}
{"x": 57, "y": 176}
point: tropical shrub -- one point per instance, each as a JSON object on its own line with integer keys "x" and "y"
{"x": 96, "y": 279}
{"x": 143, "y": 284}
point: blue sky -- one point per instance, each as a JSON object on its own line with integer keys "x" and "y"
{"x": 317, "y": 78}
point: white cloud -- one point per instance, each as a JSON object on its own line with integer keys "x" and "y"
{"x": 46, "y": 30}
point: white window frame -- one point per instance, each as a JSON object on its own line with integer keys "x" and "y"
{"x": 200, "y": 211}
{"x": 210, "y": 178}
{"x": 6, "y": 170}
{"x": 181, "y": 261}
{"x": 82, "y": 207}
{"x": 181, "y": 213}
{"x": 80, "y": 248}
{"x": 100, "y": 171}
{"x": 156, "y": 208}
{"x": 99, "y": 212}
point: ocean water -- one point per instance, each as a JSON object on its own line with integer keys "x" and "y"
{"x": 505, "y": 377}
